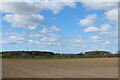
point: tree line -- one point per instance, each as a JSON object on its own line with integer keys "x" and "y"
{"x": 37, "y": 54}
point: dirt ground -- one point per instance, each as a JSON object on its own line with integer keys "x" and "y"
{"x": 61, "y": 68}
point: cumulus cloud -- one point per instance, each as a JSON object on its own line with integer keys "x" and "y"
{"x": 50, "y": 38}
{"x": 33, "y": 42}
{"x": 95, "y": 37}
{"x": 32, "y": 27}
{"x": 46, "y": 36}
{"x": 91, "y": 29}
{"x": 54, "y": 28}
{"x": 46, "y": 40}
{"x": 56, "y": 6}
{"x": 112, "y": 14}
{"x": 24, "y": 14}
{"x": 89, "y": 20}
{"x": 24, "y": 8}
{"x": 103, "y": 28}
{"x": 44, "y": 31}
{"x": 13, "y": 38}
{"x": 23, "y": 20}
{"x": 84, "y": 42}
{"x": 98, "y": 4}
{"x": 34, "y": 7}
{"x": 48, "y": 30}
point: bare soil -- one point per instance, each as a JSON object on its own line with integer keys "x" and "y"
{"x": 61, "y": 68}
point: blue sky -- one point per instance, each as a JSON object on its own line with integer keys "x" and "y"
{"x": 66, "y": 27}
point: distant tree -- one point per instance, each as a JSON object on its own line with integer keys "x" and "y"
{"x": 80, "y": 53}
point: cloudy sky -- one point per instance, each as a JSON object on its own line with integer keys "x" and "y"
{"x": 67, "y": 27}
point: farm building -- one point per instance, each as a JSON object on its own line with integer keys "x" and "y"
{"x": 101, "y": 53}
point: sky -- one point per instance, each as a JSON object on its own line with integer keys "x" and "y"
{"x": 65, "y": 27}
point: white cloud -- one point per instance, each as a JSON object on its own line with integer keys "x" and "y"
{"x": 44, "y": 31}
{"x": 100, "y": 4}
{"x": 106, "y": 42}
{"x": 50, "y": 38}
{"x": 23, "y": 20}
{"x": 96, "y": 37}
{"x": 36, "y": 35}
{"x": 46, "y": 37}
{"x": 91, "y": 29}
{"x": 110, "y": 7}
{"x": 13, "y": 39}
{"x": 60, "y": 0}
{"x": 25, "y": 14}
{"x": 110, "y": 34}
{"x": 32, "y": 27}
{"x": 100, "y": 1}
{"x": 33, "y": 42}
{"x": 74, "y": 39}
{"x": 82, "y": 42}
{"x": 54, "y": 28}
{"x": 112, "y": 14}
{"x": 46, "y": 40}
{"x": 24, "y": 8}
{"x": 40, "y": 33}
{"x": 89, "y": 20}
{"x": 56, "y": 6}
{"x": 34, "y": 7}
{"x": 103, "y": 28}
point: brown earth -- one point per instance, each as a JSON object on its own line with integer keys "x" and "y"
{"x": 61, "y": 68}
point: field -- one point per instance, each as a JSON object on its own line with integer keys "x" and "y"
{"x": 61, "y": 68}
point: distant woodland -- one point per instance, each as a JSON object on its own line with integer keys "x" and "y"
{"x": 37, "y": 54}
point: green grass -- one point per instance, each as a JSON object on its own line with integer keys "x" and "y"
{"x": 52, "y": 58}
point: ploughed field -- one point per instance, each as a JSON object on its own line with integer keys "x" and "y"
{"x": 61, "y": 68}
